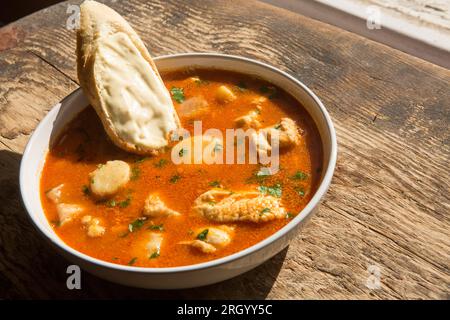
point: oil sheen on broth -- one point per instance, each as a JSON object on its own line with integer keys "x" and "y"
{"x": 158, "y": 214}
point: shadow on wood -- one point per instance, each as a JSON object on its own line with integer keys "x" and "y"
{"x": 30, "y": 268}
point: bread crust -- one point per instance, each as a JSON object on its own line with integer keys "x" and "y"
{"x": 96, "y": 22}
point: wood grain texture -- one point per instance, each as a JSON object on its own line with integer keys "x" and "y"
{"x": 389, "y": 202}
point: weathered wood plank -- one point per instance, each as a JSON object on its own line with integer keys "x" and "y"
{"x": 389, "y": 202}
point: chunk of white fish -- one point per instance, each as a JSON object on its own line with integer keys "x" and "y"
{"x": 54, "y": 194}
{"x": 153, "y": 245}
{"x": 154, "y": 207}
{"x": 93, "y": 225}
{"x": 224, "y": 206}
{"x": 66, "y": 212}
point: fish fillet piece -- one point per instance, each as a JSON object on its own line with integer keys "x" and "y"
{"x": 109, "y": 178}
{"x": 249, "y": 120}
{"x": 153, "y": 245}
{"x": 55, "y": 194}
{"x": 287, "y": 131}
{"x": 224, "y": 206}
{"x": 66, "y": 212}
{"x": 93, "y": 225}
{"x": 209, "y": 239}
{"x": 154, "y": 207}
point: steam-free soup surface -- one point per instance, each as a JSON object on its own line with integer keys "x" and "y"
{"x": 125, "y": 230}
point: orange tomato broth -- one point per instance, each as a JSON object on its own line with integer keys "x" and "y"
{"x": 84, "y": 144}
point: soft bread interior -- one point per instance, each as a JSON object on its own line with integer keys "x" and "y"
{"x": 122, "y": 82}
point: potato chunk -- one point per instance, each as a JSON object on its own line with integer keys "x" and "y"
{"x": 66, "y": 212}
{"x": 109, "y": 178}
{"x": 224, "y": 94}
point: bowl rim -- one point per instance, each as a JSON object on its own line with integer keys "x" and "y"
{"x": 302, "y": 215}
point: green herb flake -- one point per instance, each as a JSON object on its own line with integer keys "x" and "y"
{"x": 278, "y": 126}
{"x": 289, "y": 215}
{"x": 86, "y": 190}
{"x": 175, "y": 178}
{"x": 135, "y": 173}
{"x": 125, "y": 203}
{"x": 161, "y": 163}
{"x": 269, "y": 91}
{"x": 265, "y": 210}
{"x": 202, "y": 235}
{"x": 215, "y": 184}
{"x": 300, "y": 191}
{"x": 132, "y": 261}
{"x": 140, "y": 160}
{"x": 111, "y": 203}
{"x": 177, "y": 94}
{"x": 157, "y": 227}
{"x": 137, "y": 224}
{"x": 181, "y": 152}
{"x": 242, "y": 86}
{"x": 200, "y": 82}
{"x": 274, "y": 190}
{"x": 56, "y": 223}
{"x": 299, "y": 175}
{"x": 154, "y": 255}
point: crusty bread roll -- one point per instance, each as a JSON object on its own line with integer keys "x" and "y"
{"x": 122, "y": 83}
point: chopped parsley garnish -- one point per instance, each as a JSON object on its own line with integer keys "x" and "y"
{"x": 125, "y": 203}
{"x": 177, "y": 94}
{"x": 158, "y": 227}
{"x": 154, "y": 255}
{"x": 289, "y": 215}
{"x": 299, "y": 175}
{"x": 202, "y": 235}
{"x": 140, "y": 160}
{"x": 132, "y": 261}
{"x": 242, "y": 86}
{"x": 161, "y": 163}
{"x": 215, "y": 184}
{"x": 57, "y": 223}
{"x": 86, "y": 190}
{"x": 201, "y": 82}
{"x": 274, "y": 190}
{"x": 137, "y": 224}
{"x": 135, "y": 173}
{"x": 300, "y": 191}
{"x": 181, "y": 152}
{"x": 265, "y": 210}
{"x": 259, "y": 176}
{"x": 111, "y": 203}
{"x": 278, "y": 126}
{"x": 175, "y": 178}
{"x": 270, "y": 91}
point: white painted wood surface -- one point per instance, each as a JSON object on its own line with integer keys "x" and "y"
{"x": 425, "y": 20}
{"x": 418, "y": 27}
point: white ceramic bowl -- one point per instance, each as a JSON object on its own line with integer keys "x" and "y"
{"x": 192, "y": 275}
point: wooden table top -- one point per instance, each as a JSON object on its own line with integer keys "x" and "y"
{"x": 386, "y": 212}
